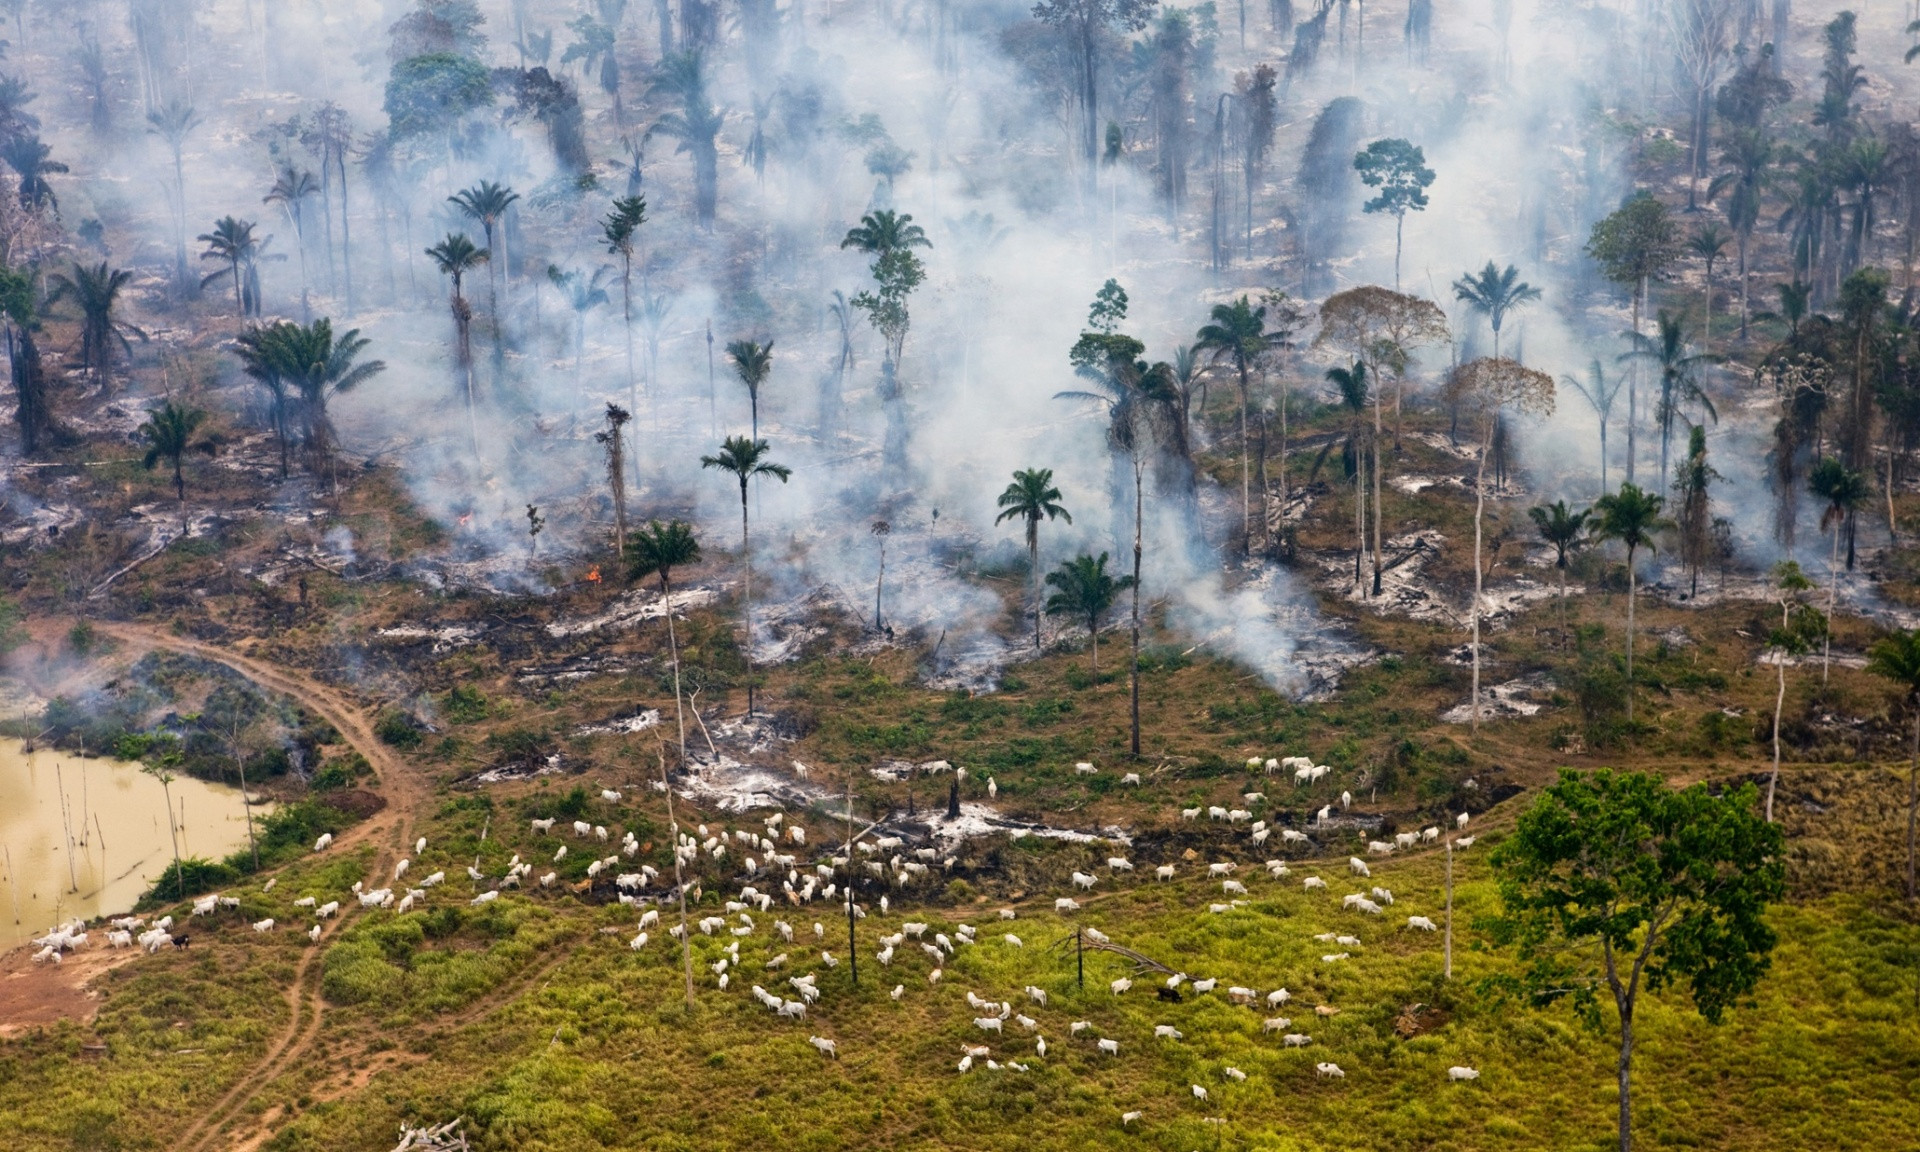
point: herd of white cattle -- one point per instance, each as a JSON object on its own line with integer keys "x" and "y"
{"x": 888, "y": 859}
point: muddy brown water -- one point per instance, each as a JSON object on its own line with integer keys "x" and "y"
{"x": 110, "y": 843}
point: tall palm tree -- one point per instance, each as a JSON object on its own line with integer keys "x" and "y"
{"x": 1672, "y": 353}
{"x": 583, "y": 294}
{"x": 1031, "y": 497}
{"x": 487, "y": 203}
{"x": 291, "y": 189}
{"x": 171, "y": 432}
{"x": 657, "y": 550}
{"x": 1493, "y": 293}
{"x": 456, "y": 256}
{"x": 1748, "y": 154}
{"x": 1599, "y": 395}
{"x": 172, "y": 122}
{"x": 255, "y": 349}
{"x": 95, "y": 290}
{"x": 31, "y": 161}
{"x": 1633, "y": 518}
{"x": 752, "y": 362}
{"x": 1897, "y": 658}
{"x": 880, "y": 531}
{"x": 1238, "y": 335}
{"x": 1351, "y": 386}
{"x": 318, "y": 365}
{"x": 1086, "y": 591}
{"x": 885, "y": 231}
{"x": 232, "y": 243}
{"x": 746, "y": 459}
{"x": 1844, "y": 490}
{"x": 1709, "y": 243}
{"x": 696, "y": 125}
{"x": 1565, "y": 531}
{"x": 619, "y": 228}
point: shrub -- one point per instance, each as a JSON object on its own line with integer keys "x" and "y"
{"x": 191, "y": 876}
{"x": 465, "y": 705}
{"x": 397, "y": 729}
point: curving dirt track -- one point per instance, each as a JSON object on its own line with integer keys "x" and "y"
{"x": 390, "y": 829}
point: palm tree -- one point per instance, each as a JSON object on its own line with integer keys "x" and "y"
{"x": 1787, "y": 640}
{"x": 455, "y": 256}
{"x": 1238, "y": 335}
{"x": 1493, "y": 293}
{"x": 487, "y": 203}
{"x": 290, "y": 190}
{"x": 658, "y": 549}
{"x": 1599, "y": 396}
{"x": 583, "y": 294}
{"x": 886, "y": 231}
{"x": 1897, "y": 658}
{"x": 232, "y": 243}
{"x": 1709, "y": 243}
{"x": 1564, "y": 530}
{"x": 618, "y": 229}
{"x": 1087, "y": 591}
{"x": 1352, "y": 386}
{"x": 319, "y": 366}
{"x": 257, "y": 359}
{"x": 696, "y": 125}
{"x": 95, "y": 290}
{"x": 172, "y": 431}
{"x": 29, "y": 159}
{"x": 1032, "y": 497}
{"x": 752, "y": 362}
{"x": 746, "y": 459}
{"x": 172, "y": 122}
{"x": 1671, "y": 351}
{"x": 1749, "y": 154}
{"x": 1844, "y": 490}
{"x": 1633, "y": 518}
{"x": 880, "y": 531}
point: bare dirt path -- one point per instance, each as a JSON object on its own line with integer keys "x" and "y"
{"x": 389, "y": 830}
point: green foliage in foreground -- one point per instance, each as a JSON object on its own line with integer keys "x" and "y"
{"x": 284, "y": 834}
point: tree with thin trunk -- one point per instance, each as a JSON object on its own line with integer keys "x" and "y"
{"x": 613, "y": 441}
{"x": 1350, "y": 385}
{"x": 1897, "y": 658}
{"x": 1844, "y": 490}
{"x": 1787, "y": 641}
{"x": 746, "y": 460}
{"x": 1398, "y": 168}
{"x": 1086, "y": 24}
{"x": 695, "y": 124}
{"x": 1086, "y": 591}
{"x": 172, "y": 122}
{"x": 455, "y": 257}
{"x": 486, "y": 203}
{"x": 1635, "y": 244}
{"x": 1565, "y": 531}
{"x": 622, "y": 223}
{"x": 1599, "y": 395}
{"x": 291, "y": 189}
{"x": 257, "y": 361}
{"x": 318, "y": 365}
{"x": 880, "y": 531}
{"x": 159, "y": 772}
{"x": 1494, "y": 292}
{"x": 95, "y": 290}
{"x": 1031, "y": 497}
{"x": 1238, "y": 336}
{"x": 1614, "y": 882}
{"x": 233, "y": 244}
{"x": 752, "y": 362}
{"x": 1492, "y": 387}
{"x": 1670, "y": 351}
{"x": 171, "y": 432}
{"x": 656, "y": 550}
{"x": 1633, "y": 518}
{"x": 1748, "y": 154}
{"x": 1709, "y": 243}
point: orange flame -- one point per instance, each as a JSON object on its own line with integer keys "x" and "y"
{"x": 593, "y": 574}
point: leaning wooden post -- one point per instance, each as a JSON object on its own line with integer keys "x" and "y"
{"x": 1449, "y": 941}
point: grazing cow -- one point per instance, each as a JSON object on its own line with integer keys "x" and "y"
{"x": 1233, "y": 887}
{"x": 1312, "y": 882}
{"x": 1330, "y": 1069}
{"x": 1384, "y": 895}
{"x": 1216, "y": 870}
{"x": 1276, "y": 1024}
{"x": 1199, "y": 1093}
{"x": 824, "y": 1046}
{"x": 1422, "y": 923}
{"x": 1358, "y": 866}
{"x": 1119, "y": 864}
{"x": 1167, "y": 1032}
{"x": 1120, "y": 985}
{"x": 1278, "y": 997}
{"x": 1235, "y": 1074}
{"x": 1083, "y": 880}
{"x": 1289, "y": 836}
{"x": 1296, "y": 1040}
{"x": 1110, "y": 1047}
{"x": 1163, "y": 872}
{"x": 1458, "y": 1072}
{"x": 1189, "y": 813}
{"x": 1130, "y": 778}
{"x": 1066, "y": 904}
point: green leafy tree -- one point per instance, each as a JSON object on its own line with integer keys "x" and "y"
{"x": 317, "y": 364}
{"x": 1672, "y": 353}
{"x": 428, "y": 95}
{"x": 1085, "y": 26}
{"x": 455, "y": 257}
{"x": 1844, "y": 491}
{"x": 1398, "y": 168}
{"x": 1031, "y": 498}
{"x": 752, "y": 362}
{"x": 890, "y": 238}
{"x": 1613, "y": 882}
{"x": 1632, "y": 517}
{"x": 1085, "y": 590}
{"x": 1793, "y": 638}
{"x": 95, "y": 290}
{"x": 1493, "y": 293}
{"x": 746, "y": 460}
{"x": 171, "y": 432}
{"x": 657, "y": 550}
{"x": 1351, "y": 397}
{"x": 1564, "y": 530}
{"x": 1692, "y": 479}
{"x": 1635, "y": 244}
{"x": 1897, "y": 658}
{"x": 1238, "y": 335}
{"x": 33, "y": 409}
